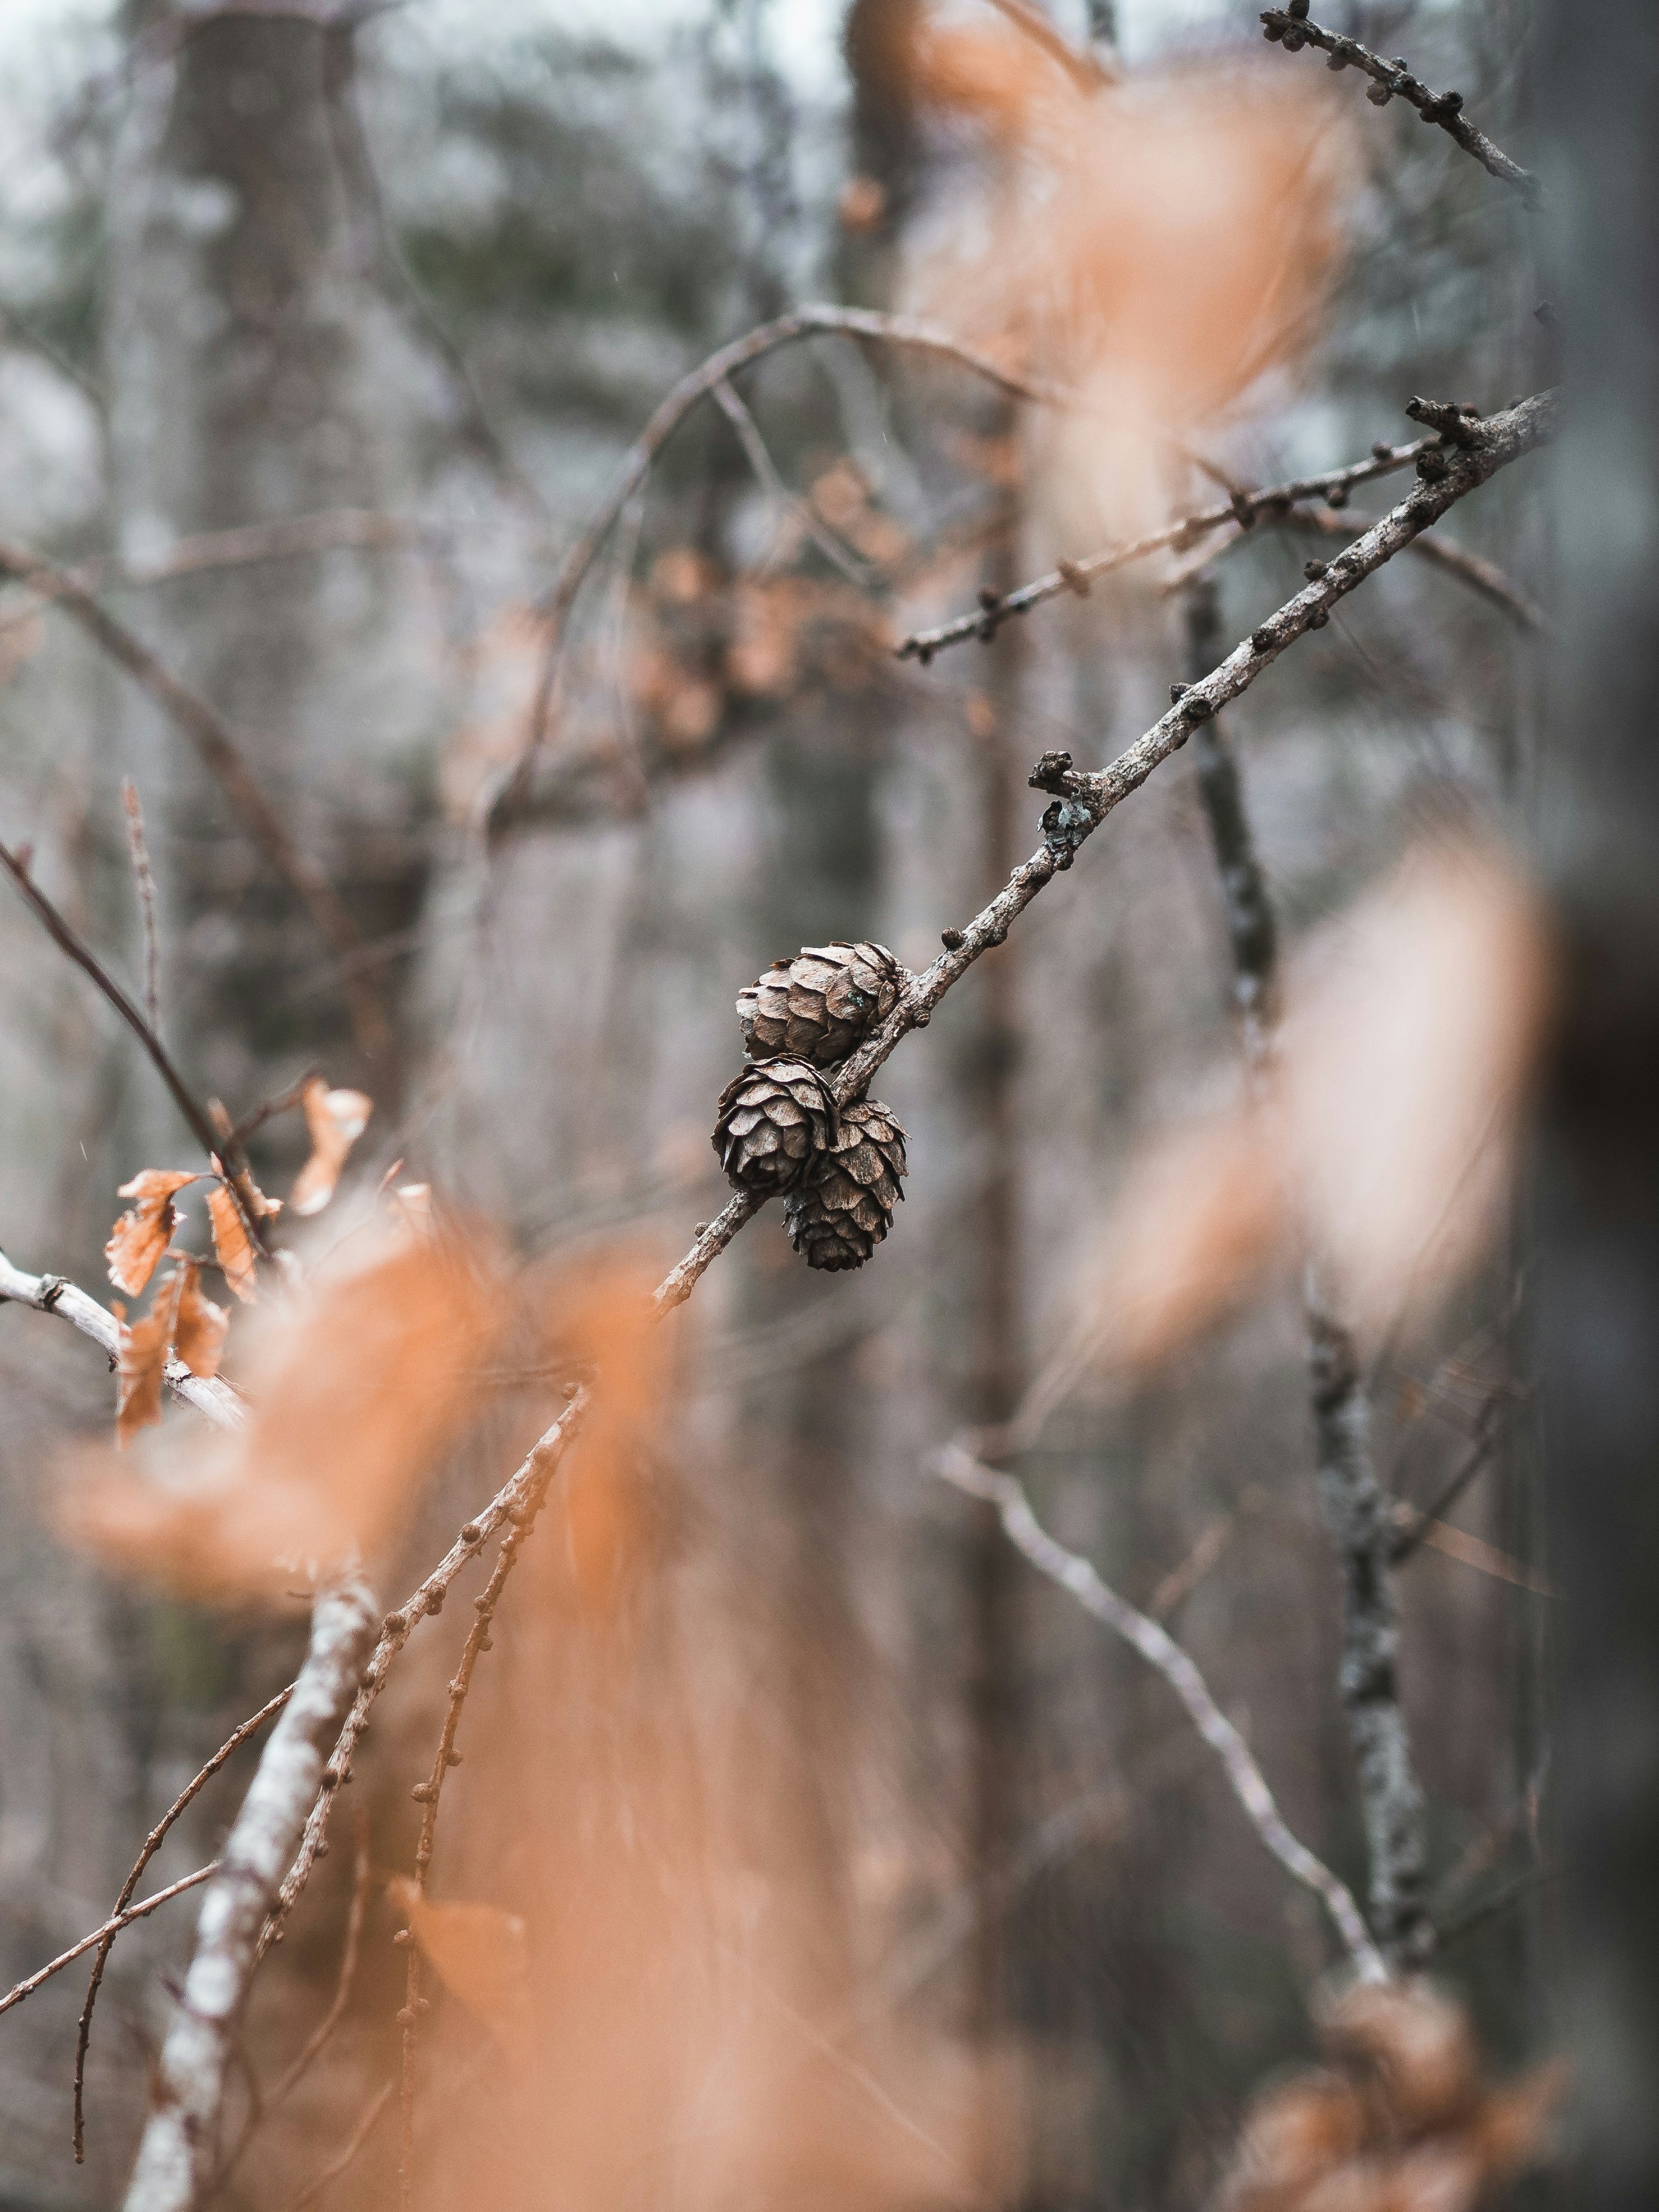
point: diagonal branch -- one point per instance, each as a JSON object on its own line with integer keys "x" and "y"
{"x": 53, "y": 1294}
{"x": 221, "y": 1149}
{"x": 1155, "y": 1644}
{"x": 635, "y": 465}
{"x": 105, "y": 1935}
{"x": 1241, "y": 511}
{"x": 220, "y": 753}
{"x": 178, "y": 2145}
{"x": 1290, "y": 28}
{"x": 1082, "y": 802}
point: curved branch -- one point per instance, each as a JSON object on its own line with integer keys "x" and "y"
{"x": 1155, "y": 1644}
{"x": 701, "y": 384}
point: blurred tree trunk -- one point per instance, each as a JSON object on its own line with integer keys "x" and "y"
{"x": 1598, "y": 1305}
{"x": 256, "y": 372}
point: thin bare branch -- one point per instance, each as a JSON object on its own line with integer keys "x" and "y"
{"x": 1083, "y": 801}
{"x": 152, "y": 1842}
{"x": 701, "y": 384}
{"x": 1290, "y": 28}
{"x": 144, "y": 881}
{"x": 348, "y": 2150}
{"x": 221, "y": 753}
{"x": 105, "y": 1934}
{"x": 1243, "y": 510}
{"x": 766, "y": 472}
{"x": 1075, "y": 1574}
{"x": 220, "y": 1146}
{"x": 525, "y": 1488}
{"x": 361, "y": 1882}
{"x": 54, "y": 1294}
{"x": 177, "y": 2142}
{"x": 1482, "y": 576}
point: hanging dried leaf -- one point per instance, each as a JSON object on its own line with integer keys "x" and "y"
{"x": 479, "y": 1953}
{"x": 140, "y": 1361}
{"x": 336, "y": 1120}
{"x": 199, "y": 1337}
{"x": 140, "y": 1235}
{"x": 232, "y": 1246}
{"x": 359, "y": 1388}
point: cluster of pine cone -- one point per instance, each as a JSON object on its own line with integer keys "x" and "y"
{"x": 840, "y": 1170}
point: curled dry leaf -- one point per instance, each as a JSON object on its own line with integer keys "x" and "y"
{"x": 140, "y": 1361}
{"x": 336, "y": 1120}
{"x": 140, "y": 1235}
{"x": 358, "y": 1388}
{"x": 479, "y": 1953}
{"x": 199, "y": 1334}
{"x": 232, "y": 1246}
{"x": 1402, "y": 2121}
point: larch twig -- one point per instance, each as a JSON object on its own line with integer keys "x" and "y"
{"x": 1290, "y": 28}
{"x": 362, "y": 1880}
{"x": 107, "y": 1933}
{"x": 1082, "y": 801}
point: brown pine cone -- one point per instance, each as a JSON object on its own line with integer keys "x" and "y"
{"x": 819, "y": 1005}
{"x": 776, "y": 1121}
{"x": 844, "y": 1209}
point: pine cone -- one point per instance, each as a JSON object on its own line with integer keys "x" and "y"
{"x": 776, "y": 1121}
{"x": 840, "y": 1215}
{"x": 819, "y": 1005}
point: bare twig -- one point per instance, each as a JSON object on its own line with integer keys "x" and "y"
{"x": 354, "y": 2142}
{"x": 766, "y": 472}
{"x": 221, "y": 755}
{"x": 283, "y": 1103}
{"x": 361, "y": 1882}
{"x": 1075, "y": 1574}
{"x": 1082, "y": 801}
{"x": 1290, "y": 28}
{"x": 1482, "y": 576}
{"x": 701, "y": 384}
{"x": 520, "y": 1521}
{"x": 1242, "y": 512}
{"x": 138, "y": 852}
{"x": 178, "y": 2140}
{"x": 1355, "y": 1504}
{"x": 105, "y": 1934}
{"x": 528, "y": 1482}
{"x": 218, "y": 1146}
{"x": 152, "y": 1842}
{"x": 53, "y": 1294}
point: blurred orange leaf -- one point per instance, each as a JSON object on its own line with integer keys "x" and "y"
{"x": 357, "y": 1388}
{"x": 140, "y": 1235}
{"x": 479, "y": 1953}
{"x": 336, "y": 1120}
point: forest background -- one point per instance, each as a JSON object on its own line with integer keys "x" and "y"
{"x": 858, "y": 1859}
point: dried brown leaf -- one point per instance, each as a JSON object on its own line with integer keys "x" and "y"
{"x": 141, "y": 1362}
{"x": 336, "y": 1120}
{"x": 480, "y": 1954}
{"x": 232, "y": 1246}
{"x": 140, "y": 1235}
{"x": 199, "y": 1337}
